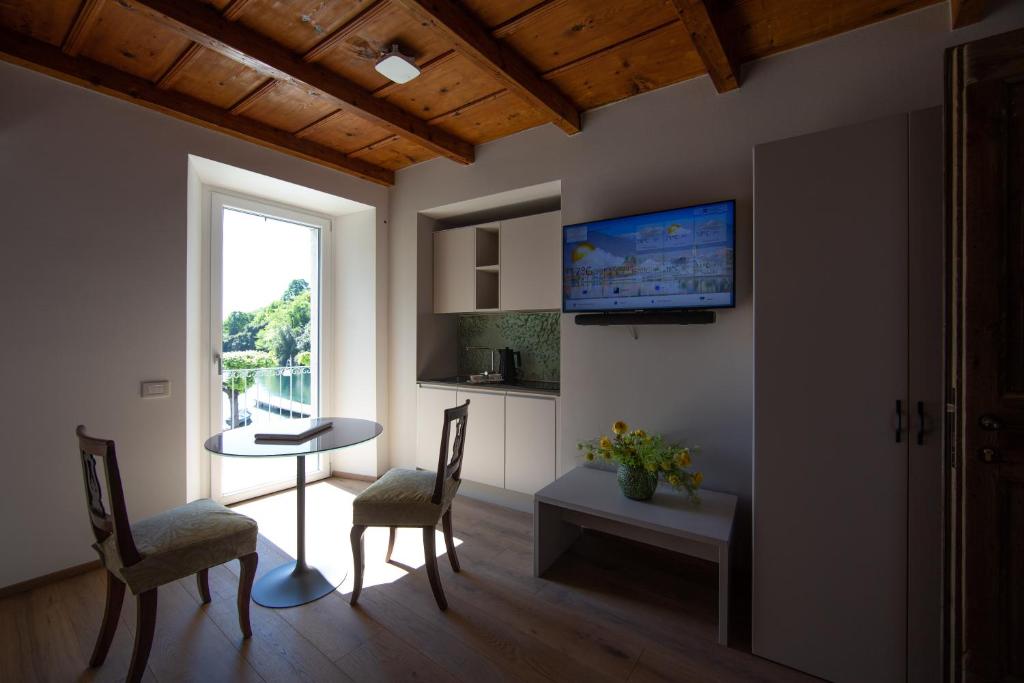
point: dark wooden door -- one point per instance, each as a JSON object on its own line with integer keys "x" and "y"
{"x": 986, "y": 194}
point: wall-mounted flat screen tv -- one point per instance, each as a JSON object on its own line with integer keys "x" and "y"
{"x": 679, "y": 259}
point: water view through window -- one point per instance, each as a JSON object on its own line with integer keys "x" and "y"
{"x": 269, "y": 338}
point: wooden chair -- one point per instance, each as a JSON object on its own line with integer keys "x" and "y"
{"x": 155, "y": 551}
{"x": 417, "y": 499}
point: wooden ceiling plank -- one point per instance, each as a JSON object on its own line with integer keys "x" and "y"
{"x": 965, "y": 12}
{"x": 462, "y": 109}
{"x": 425, "y": 69}
{"x": 235, "y": 9}
{"x": 593, "y": 56}
{"x": 252, "y": 98}
{"x": 708, "y": 43}
{"x": 345, "y": 30}
{"x": 209, "y": 28}
{"x": 475, "y": 41}
{"x": 512, "y": 25}
{"x": 374, "y": 145}
{"x": 175, "y": 70}
{"x": 39, "y": 56}
{"x": 306, "y": 131}
{"x": 83, "y": 24}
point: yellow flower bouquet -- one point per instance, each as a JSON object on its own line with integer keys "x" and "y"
{"x": 643, "y": 459}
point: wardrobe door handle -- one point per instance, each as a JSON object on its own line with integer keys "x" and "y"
{"x": 920, "y": 423}
{"x": 899, "y": 420}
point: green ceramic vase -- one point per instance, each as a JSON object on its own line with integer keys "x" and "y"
{"x": 637, "y": 483}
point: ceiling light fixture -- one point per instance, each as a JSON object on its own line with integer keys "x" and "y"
{"x": 398, "y": 67}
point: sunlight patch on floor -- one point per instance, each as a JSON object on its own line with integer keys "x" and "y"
{"x": 328, "y": 523}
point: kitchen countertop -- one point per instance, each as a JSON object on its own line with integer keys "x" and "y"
{"x": 525, "y": 386}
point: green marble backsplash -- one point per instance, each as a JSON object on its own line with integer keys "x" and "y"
{"x": 536, "y": 335}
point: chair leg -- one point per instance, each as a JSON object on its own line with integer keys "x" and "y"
{"x": 449, "y": 542}
{"x": 391, "y": 544}
{"x": 203, "y": 583}
{"x": 111, "y": 615}
{"x": 245, "y": 579}
{"x": 357, "y": 561}
{"x": 145, "y": 625}
{"x": 429, "y": 554}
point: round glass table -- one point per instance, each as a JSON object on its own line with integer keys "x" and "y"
{"x": 294, "y": 583}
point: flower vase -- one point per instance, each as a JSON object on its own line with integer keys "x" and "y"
{"x": 637, "y": 483}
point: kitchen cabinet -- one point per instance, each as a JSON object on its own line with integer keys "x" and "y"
{"x": 531, "y": 262}
{"x": 512, "y": 265}
{"x": 510, "y": 439}
{"x": 466, "y": 269}
{"x": 529, "y": 443}
{"x": 483, "y": 458}
{"x": 431, "y": 402}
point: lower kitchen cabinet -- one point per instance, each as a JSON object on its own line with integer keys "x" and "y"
{"x": 510, "y": 437}
{"x": 529, "y": 443}
{"x": 483, "y": 458}
{"x": 431, "y": 402}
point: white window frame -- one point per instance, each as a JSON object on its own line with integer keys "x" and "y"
{"x": 320, "y": 341}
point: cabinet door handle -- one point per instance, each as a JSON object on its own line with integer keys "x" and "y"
{"x": 899, "y": 420}
{"x": 920, "y": 423}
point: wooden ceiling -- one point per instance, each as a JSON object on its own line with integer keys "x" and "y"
{"x": 298, "y": 76}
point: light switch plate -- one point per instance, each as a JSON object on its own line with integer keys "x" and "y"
{"x": 159, "y": 388}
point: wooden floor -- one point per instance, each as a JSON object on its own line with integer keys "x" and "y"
{"x": 607, "y": 611}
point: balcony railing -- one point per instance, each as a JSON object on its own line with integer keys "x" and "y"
{"x": 269, "y": 395}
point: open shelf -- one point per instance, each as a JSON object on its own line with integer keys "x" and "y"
{"x": 488, "y": 269}
{"x": 487, "y": 246}
{"x": 486, "y": 289}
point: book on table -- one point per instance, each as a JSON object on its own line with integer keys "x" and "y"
{"x": 295, "y": 431}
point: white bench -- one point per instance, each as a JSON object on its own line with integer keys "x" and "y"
{"x": 590, "y": 498}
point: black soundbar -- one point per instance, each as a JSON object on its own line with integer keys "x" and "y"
{"x": 647, "y": 318}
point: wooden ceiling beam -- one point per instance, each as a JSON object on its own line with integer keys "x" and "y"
{"x": 474, "y": 41}
{"x": 204, "y": 25}
{"x": 708, "y": 43}
{"x": 965, "y": 12}
{"x": 37, "y": 55}
{"x": 84, "y": 22}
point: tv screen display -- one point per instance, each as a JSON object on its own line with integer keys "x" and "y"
{"x": 678, "y": 259}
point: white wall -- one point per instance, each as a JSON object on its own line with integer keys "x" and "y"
{"x": 93, "y": 287}
{"x": 673, "y": 147}
{"x": 354, "y": 357}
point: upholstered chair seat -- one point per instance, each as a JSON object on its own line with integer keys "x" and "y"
{"x": 181, "y": 542}
{"x": 402, "y": 498}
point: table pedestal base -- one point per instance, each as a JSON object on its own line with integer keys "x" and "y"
{"x": 291, "y": 585}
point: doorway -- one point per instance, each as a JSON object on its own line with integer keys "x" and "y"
{"x": 985, "y": 257}
{"x": 266, "y": 333}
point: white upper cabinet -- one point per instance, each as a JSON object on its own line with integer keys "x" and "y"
{"x": 455, "y": 270}
{"x": 515, "y": 265}
{"x": 531, "y": 262}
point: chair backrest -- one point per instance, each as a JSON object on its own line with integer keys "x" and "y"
{"x": 451, "y": 468}
{"x": 103, "y": 522}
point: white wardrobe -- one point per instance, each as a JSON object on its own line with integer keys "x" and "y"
{"x": 847, "y": 554}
